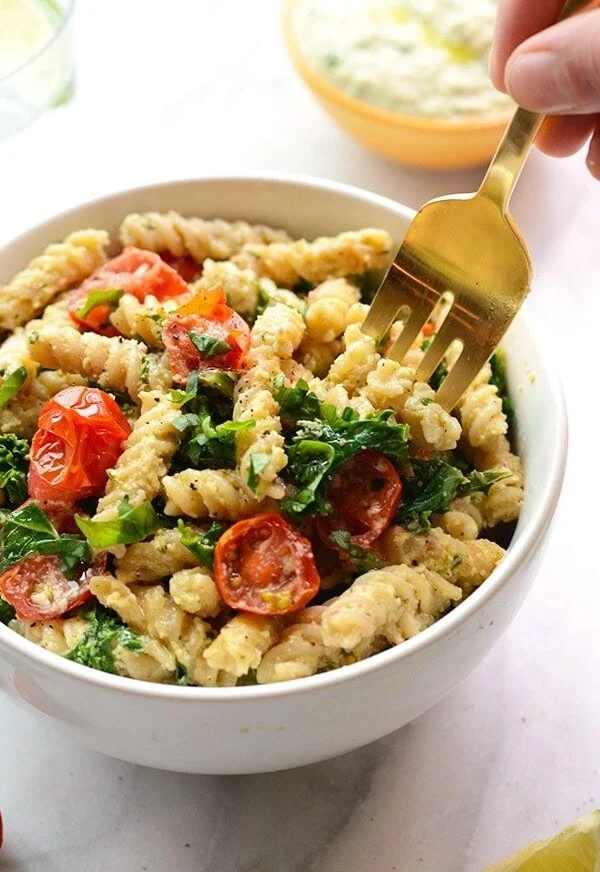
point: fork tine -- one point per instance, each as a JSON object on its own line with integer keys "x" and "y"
{"x": 471, "y": 359}
{"x": 419, "y": 315}
{"x": 400, "y": 289}
{"x": 437, "y": 349}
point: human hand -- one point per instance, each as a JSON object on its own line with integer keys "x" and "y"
{"x": 554, "y": 69}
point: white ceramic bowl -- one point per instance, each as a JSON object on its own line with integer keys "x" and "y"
{"x": 257, "y": 729}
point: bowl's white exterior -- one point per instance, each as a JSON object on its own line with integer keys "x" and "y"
{"x": 257, "y": 729}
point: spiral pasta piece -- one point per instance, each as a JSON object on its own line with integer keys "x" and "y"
{"x": 146, "y": 457}
{"x": 318, "y": 356}
{"x": 208, "y": 493}
{"x": 116, "y": 364}
{"x": 300, "y": 652}
{"x": 349, "y": 253}
{"x": 359, "y": 358}
{"x": 503, "y": 501}
{"x": 328, "y": 307}
{"x": 62, "y": 265}
{"x": 142, "y": 321}
{"x": 463, "y": 518}
{"x": 59, "y": 636}
{"x": 241, "y": 644}
{"x": 20, "y": 415}
{"x": 465, "y": 563}
{"x": 200, "y": 239}
{"x": 159, "y": 557}
{"x": 431, "y": 426}
{"x": 279, "y": 329}
{"x": 389, "y": 385}
{"x": 480, "y": 411}
{"x": 195, "y": 591}
{"x": 396, "y": 602}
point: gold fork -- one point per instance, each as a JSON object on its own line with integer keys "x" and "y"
{"x": 469, "y": 246}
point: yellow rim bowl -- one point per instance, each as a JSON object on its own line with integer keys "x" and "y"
{"x": 430, "y": 143}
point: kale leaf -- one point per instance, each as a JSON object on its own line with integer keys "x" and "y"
{"x": 295, "y": 403}
{"x": 104, "y": 631}
{"x": 319, "y": 447}
{"x": 28, "y": 531}
{"x": 206, "y": 445}
{"x": 7, "y": 612}
{"x": 202, "y": 545}
{"x": 498, "y": 365}
{"x": 14, "y": 454}
{"x": 432, "y": 488}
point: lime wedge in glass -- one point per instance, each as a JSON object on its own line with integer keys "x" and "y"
{"x": 574, "y": 849}
{"x": 36, "y": 64}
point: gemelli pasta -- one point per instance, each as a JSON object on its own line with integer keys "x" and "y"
{"x": 210, "y": 476}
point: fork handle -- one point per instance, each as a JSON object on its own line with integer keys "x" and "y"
{"x": 504, "y": 170}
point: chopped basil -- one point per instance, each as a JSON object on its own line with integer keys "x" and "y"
{"x": 14, "y": 454}
{"x": 7, "y": 613}
{"x": 208, "y": 445}
{"x": 104, "y": 297}
{"x": 209, "y": 346}
{"x": 132, "y": 524}
{"x": 28, "y": 531}
{"x": 303, "y": 286}
{"x": 181, "y": 674}
{"x": 368, "y": 283}
{"x": 309, "y": 463}
{"x": 481, "y": 481}
{"x": 362, "y": 559}
{"x": 104, "y": 631}
{"x": 202, "y": 545}
{"x": 439, "y": 375}
{"x": 258, "y": 462}
{"x": 12, "y": 384}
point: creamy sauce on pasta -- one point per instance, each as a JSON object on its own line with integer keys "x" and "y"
{"x": 416, "y": 57}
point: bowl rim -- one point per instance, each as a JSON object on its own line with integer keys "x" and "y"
{"x": 318, "y": 83}
{"x": 448, "y": 625}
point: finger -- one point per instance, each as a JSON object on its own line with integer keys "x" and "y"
{"x": 593, "y": 158}
{"x": 563, "y": 135}
{"x": 516, "y": 21}
{"x": 557, "y": 71}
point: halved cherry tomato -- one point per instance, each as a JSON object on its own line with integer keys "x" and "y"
{"x": 136, "y": 272}
{"x": 80, "y": 436}
{"x": 264, "y": 566}
{"x": 206, "y": 314}
{"x": 428, "y": 329}
{"x": 187, "y": 267}
{"x": 365, "y": 493}
{"x": 38, "y": 589}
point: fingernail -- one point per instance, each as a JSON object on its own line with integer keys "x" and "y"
{"x": 539, "y": 82}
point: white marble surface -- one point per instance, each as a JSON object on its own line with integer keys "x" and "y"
{"x": 190, "y": 86}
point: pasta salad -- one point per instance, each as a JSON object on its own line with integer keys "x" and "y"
{"x": 209, "y": 475}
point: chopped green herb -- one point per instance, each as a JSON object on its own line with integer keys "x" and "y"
{"x": 12, "y": 384}
{"x": 209, "y": 346}
{"x": 439, "y": 374}
{"x": 28, "y": 531}
{"x": 202, "y": 545}
{"x": 332, "y": 60}
{"x": 7, "y": 613}
{"x": 258, "y": 462}
{"x": 263, "y": 299}
{"x": 498, "y": 365}
{"x": 14, "y": 454}
{"x": 181, "y": 674}
{"x": 303, "y": 286}
{"x": 145, "y": 370}
{"x": 368, "y": 284}
{"x": 426, "y": 343}
{"x": 309, "y": 463}
{"x": 295, "y": 403}
{"x": 208, "y": 445}
{"x": 361, "y": 559}
{"x": 456, "y": 561}
{"x": 104, "y": 632}
{"x": 132, "y": 524}
{"x": 105, "y": 297}
{"x": 481, "y": 481}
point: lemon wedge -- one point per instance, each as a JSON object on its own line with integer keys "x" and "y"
{"x": 574, "y": 849}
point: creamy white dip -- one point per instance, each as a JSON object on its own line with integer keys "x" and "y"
{"x": 416, "y": 57}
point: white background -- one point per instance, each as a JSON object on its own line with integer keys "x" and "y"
{"x": 188, "y": 87}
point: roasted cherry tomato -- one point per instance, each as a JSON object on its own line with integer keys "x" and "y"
{"x": 220, "y": 337}
{"x": 136, "y": 272}
{"x": 264, "y": 566}
{"x": 365, "y": 493}
{"x": 80, "y": 436}
{"x": 187, "y": 267}
{"x": 38, "y": 590}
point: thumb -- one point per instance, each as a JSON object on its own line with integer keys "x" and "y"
{"x": 557, "y": 71}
